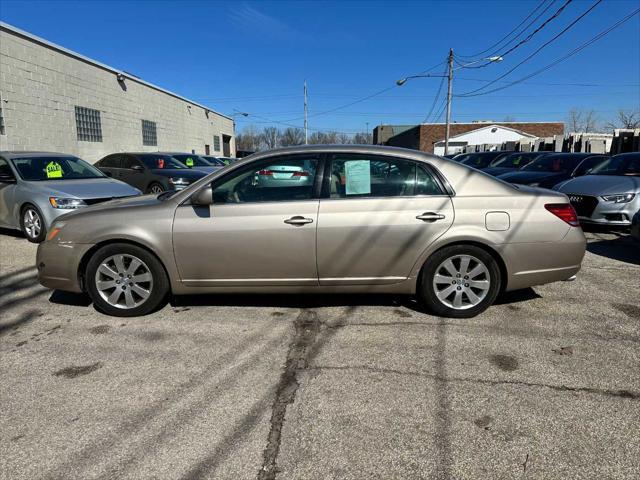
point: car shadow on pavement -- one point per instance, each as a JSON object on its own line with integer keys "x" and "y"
{"x": 70, "y": 298}
{"x": 8, "y": 232}
{"x": 623, "y": 248}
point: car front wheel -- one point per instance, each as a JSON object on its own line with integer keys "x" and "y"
{"x": 460, "y": 281}
{"x": 125, "y": 280}
{"x": 32, "y": 224}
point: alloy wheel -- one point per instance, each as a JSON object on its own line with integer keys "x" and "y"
{"x": 32, "y": 223}
{"x": 156, "y": 189}
{"x": 461, "y": 282}
{"x": 124, "y": 281}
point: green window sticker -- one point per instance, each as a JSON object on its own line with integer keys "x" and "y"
{"x": 189, "y": 162}
{"x": 54, "y": 170}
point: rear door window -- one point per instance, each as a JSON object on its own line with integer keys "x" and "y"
{"x": 358, "y": 176}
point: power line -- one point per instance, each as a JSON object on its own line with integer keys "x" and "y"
{"x": 499, "y": 42}
{"x": 436, "y": 98}
{"x": 555, "y": 37}
{"x": 561, "y": 59}
{"x": 531, "y": 35}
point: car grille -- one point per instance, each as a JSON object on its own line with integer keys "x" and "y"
{"x": 583, "y": 204}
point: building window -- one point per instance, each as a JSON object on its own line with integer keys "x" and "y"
{"x": 88, "y": 124}
{"x": 216, "y": 143}
{"x": 149, "y": 135}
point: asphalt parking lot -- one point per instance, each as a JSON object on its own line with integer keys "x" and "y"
{"x": 544, "y": 385}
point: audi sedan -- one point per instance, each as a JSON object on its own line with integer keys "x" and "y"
{"x": 369, "y": 220}
{"x": 609, "y": 194}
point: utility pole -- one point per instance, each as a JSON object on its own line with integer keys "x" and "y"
{"x": 306, "y": 137}
{"x": 449, "y": 95}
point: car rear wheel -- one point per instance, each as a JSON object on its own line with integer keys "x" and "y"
{"x": 460, "y": 281}
{"x": 155, "y": 188}
{"x": 125, "y": 280}
{"x": 32, "y": 224}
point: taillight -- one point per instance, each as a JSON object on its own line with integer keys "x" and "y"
{"x": 565, "y": 212}
{"x": 265, "y": 173}
{"x": 300, "y": 174}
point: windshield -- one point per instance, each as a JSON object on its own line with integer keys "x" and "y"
{"x": 478, "y": 161}
{"x": 515, "y": 160}
{"x": 191, "y": 160}
{"x": 55, "y": 168}
{"x": 553, "y": 163}
{"x": 161, "y": 162}
{"x": 214, "y": 161}
{"x": 619, "y": 165}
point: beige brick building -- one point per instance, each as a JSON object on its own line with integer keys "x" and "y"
{"x": 53, "y": 99}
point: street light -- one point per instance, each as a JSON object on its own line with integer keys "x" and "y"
{"x": 449, "y": 76}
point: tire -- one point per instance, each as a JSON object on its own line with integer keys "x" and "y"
{"x": 444, "y": 288}
{"x": 155, "y": 187}
{"x": 111, "y": 269}
{"x": 32, "y": 224}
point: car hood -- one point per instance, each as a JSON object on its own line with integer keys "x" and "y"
{"x": 191, "y": 174}
{"x": 86, "y": 189}
{"x": 495, "y": 171}
{"x": 601, "y": 185}
{"x": 119, "y": 203}
{"x": 526, "y": 177}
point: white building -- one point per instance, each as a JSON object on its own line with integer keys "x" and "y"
{"x": 491, "y": 135}
{"x": 53, "y": 99}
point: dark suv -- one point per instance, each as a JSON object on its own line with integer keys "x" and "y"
{"x": 149, "y": 172}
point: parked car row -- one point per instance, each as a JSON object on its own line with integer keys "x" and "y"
{"x": 37, "y": 187}
{"x": 603, "y": 190}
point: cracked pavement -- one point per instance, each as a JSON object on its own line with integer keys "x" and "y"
{"x": 544, "y": 385}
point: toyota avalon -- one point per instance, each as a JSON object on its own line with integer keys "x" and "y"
{"x": 370, "y": 219}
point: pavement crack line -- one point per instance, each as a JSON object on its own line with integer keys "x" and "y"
{"x": 307, "y": 325}
{"x": 622, "y": 393}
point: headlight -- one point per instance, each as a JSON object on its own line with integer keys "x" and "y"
{"x": 619, "y": 197}
{"x": 66, "y": 203}
{"x": 179, "y": 181}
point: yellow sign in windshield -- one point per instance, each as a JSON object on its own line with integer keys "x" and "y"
{"x": 54, "y": 170}
{"x": 189, "y": 162}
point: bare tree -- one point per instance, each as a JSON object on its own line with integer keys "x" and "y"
{"x": 579, "y": 120}
{"x": 271, "y": 137}
{"x": 509, "y": 118}
{"x": 249, "y": 139}
{"x": 344, "y": 139}
{"x": 625, "y": 119}
{"x": 574, "y": 120}
{"x": 363, "y": 138}
{"x": 292, "y": 136}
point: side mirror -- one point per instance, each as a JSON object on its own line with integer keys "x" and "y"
{"x": 137, "y": 168}
{"x": 7, "y": 179}
{"x": 203, "y": 197}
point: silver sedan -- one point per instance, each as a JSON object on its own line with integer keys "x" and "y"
{"x": 36, "y": 188}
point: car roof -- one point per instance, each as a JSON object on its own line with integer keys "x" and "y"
{"x": 628, "y": 155}
{"x": 23, "y": 154}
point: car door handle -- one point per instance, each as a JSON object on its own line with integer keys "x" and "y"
{"x": 298, "y": 221}
{"x": 430, "y": 217}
